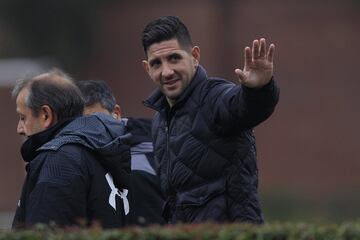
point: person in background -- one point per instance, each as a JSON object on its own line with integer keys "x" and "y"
{"x": 145, "y": 195}
{"x": 203, "y": 129}
{"x": 71, "y": 160}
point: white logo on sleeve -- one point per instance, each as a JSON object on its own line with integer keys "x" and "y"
{"x": 114, "y": 192}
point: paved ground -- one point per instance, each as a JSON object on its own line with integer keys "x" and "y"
{"x": 6, "y": 219}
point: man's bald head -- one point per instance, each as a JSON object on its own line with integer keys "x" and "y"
{"x": 55, "y": 89}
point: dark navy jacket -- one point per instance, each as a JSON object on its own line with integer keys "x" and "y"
{"x": 67, "y": 179}
{"x": 145, "y": 196}
{"x": 206, "y": 149}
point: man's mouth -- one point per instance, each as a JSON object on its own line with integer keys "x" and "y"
{"x": 170, "y": 82}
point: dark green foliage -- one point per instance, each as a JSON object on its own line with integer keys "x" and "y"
{"x": 209, "y": 231}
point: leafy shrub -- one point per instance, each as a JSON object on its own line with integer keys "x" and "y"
{"x": 206, "y": 231}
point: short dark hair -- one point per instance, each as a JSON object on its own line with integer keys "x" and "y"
{"x": 55, "y": 89}
{"x": 166, "y": 28}
{"x": 97, "y": 91}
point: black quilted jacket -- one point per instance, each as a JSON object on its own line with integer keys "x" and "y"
{"x": 206, "y": 149}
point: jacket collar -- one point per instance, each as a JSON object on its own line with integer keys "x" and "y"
{"x": 30, "y": 146}
{"x": 157, "y": 99}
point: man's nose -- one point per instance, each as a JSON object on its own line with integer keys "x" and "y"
{"x": 20, "y": 128}
{"x": 167, "y": 71}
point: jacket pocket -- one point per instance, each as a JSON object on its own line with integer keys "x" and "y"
{"x": 204, "y": 203}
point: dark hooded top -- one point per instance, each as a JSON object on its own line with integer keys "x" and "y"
{"x": 69, "y": 174}
{"x": 145, "y": 197}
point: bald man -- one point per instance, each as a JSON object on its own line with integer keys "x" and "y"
{"x": 78, "y": 168}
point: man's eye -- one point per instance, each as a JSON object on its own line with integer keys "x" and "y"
{"x": 175, "y": 57}
{"x": 155, "y": 63}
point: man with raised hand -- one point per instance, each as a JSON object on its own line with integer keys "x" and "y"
{"x": 203, "y": 130}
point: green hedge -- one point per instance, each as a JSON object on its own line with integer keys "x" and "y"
{"x": 209, "y": 231}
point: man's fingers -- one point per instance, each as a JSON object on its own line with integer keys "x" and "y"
{"x": 255, "y": 49}
{"x": 270, "y": 55}
{"x": 240, "y": 75}
{"x": 262, "y": 47}
{"x": 248, "y": 59}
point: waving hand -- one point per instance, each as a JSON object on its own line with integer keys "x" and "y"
{"x": 258, "y": 67}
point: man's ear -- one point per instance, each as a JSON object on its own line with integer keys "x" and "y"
{"x": 195, "y": 52}
{"x": 47, "y": 116}
{"x": 146, "y": 65}
{"x": 117, "y": 112}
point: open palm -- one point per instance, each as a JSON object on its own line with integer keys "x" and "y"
{"x": 258, "y": 67}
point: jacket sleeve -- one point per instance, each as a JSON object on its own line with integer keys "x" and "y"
{"x": 235, "y": 107}
{"x": 59, "y": 194}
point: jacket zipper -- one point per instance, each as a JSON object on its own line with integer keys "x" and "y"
{"x": 168, "y": 155}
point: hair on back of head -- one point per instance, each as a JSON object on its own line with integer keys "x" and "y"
{"x": 97, "y": 91}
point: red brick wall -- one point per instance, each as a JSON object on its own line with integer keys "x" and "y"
{"x": 12, "y": 170}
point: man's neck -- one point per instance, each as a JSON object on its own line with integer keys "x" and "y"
{"x": 171, "y": 102}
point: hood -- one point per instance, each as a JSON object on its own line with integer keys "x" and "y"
{"x": 99, "y": 132}
{"x": 104, "y": 136}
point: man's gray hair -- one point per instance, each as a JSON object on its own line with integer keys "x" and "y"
{"x": 55, "y": 89}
